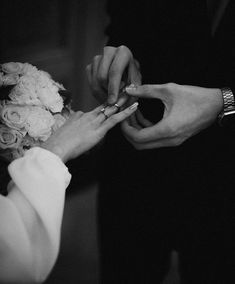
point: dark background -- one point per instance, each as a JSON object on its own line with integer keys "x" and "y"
{"x": 61, "y": 37}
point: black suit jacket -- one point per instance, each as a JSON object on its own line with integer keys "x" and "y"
{"x": 183, "y": 198}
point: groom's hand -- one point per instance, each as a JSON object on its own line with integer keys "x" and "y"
{"x": 110, "y": 71}
{"x": 188, "y": 110}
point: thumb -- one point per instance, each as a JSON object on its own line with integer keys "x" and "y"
{"x": 144, "y": 91}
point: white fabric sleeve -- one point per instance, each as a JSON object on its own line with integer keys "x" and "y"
{"x": 31, "y": 217}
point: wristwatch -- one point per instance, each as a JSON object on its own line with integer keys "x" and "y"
{"x": 227, "y": 116}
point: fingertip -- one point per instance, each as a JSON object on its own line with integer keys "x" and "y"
{"x": 112, "y": 99}
{"x": 131, "y": 90}
{"x": 134, "y": 106}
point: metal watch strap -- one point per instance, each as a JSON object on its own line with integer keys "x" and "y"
{"x": 228, "y": 106}
{"x": 228, "y": 97}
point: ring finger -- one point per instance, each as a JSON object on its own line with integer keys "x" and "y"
{"x": 106, "y": 112}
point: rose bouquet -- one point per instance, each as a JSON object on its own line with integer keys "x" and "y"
{"x": 32, "y": 107}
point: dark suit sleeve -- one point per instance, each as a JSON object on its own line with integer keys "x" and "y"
{"x": 222, "y": 65}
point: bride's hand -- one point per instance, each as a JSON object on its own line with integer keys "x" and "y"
{"x": 82, "y": 131}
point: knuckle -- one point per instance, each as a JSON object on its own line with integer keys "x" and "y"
{"x": 88, "y": 67}
{"x": 170, "y": 85}
{"x": 123, "y": 47}
{"x": 96, "y": 58}
{"x": 108, "y": 49}
{"x": 125, "y": 50}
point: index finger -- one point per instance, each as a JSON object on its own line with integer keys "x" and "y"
{"x": 118, "y": 66}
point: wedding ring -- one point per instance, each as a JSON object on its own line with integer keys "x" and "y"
{"x": 118, "y": 107}
{"x": 105, "y": 115}
{"x": 103, "y": 112}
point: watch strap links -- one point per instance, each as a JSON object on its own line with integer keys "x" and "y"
{"x": 228, "y": 97}
{"x": 228, "y": 104}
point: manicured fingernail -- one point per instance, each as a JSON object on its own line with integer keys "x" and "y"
{"x": 135, "y": 105}
{"x": 131, "y": 87}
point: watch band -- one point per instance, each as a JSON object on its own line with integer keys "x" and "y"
{"x": 228, "y": 97}
{"x": 228, "y": 106}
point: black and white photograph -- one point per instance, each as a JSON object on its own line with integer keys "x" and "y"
{"x": 117, "y": 142}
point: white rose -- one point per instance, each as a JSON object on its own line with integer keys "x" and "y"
{"x": 10, "y": 79}
{"x": 9, "y": 138}
{"x": 12, "y": 67}
{"x": 39, "y": 123}
{"x": 47, "y": 92}
{"x": 15, "y": 116}
{"x": 51, "y": 99}
{"x": 25, "y": 93}
{"x": 29, "y": 69}
{"x": 43, "y": 74}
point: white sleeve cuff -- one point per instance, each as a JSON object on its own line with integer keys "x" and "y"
{"x": 42, "y": 161}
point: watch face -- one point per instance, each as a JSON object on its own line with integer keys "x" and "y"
{"x": 228, "y": 120}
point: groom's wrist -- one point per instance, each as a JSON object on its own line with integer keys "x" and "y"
{"x": 227, "y": 114}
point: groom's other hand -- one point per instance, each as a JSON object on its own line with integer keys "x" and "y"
{"x": 110, "y": 71}
{"x": 188, "y": 110}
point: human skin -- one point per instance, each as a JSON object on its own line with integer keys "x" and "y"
{"x": 188, "y": 109}
{"x": 110, "y": 71}
{"x": 82, "y": 131}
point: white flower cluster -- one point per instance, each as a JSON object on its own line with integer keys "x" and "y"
{"x": 34, "y": 108}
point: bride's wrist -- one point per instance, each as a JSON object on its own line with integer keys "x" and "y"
{"x": 57, "y": 150}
